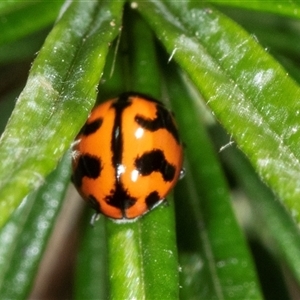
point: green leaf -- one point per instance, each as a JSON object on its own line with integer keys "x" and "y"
{"x": 12, "y": 5}
{"x": 203, "y": 197}
{"x": 150, "y": 254}
{"x": 143, "y": 71}
{"x": 191, "y": 265}
{"x": 92, "y": 277}
{"x": 286, "y": 8}
{"x": 275, "y": 33}
{"x": 24, "y": 237}
{"x": 17, "y": 19}
{"x": 146, "y": 264}
{"x": 269, "y": 220}
{"x": 142, "y": 256}
{"x": 248, "y": 92}
{"x": 21, "y": 49}
{"x": 60, "y": 91}
{"x": 244, "y": 86}
{"x": 91, "y": 280}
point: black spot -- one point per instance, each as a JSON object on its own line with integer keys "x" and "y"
{"x": 117, "y": 137}
{"x": 125, "y": 97}
{"x": 163, "y": 120}
{"x": 155, "y": 161}
{"x": 152, "y": 199}
{"x": 87, "y": 165}
{"x": 94, "y": 203}
{"x": 120, "y": 198}
{"x": 92, "y": 127}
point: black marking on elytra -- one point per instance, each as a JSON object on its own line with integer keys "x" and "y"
{"x": 117, "y": 137}
{"x": 125, "y": 96}
{"x": 87, "y": 166}
{"x": 152, "y": 199}
{"x": 163, "y": 120}
{"x": 94, "y": 203}
{"x": 90, "y": 128}
{"x": 120, "y": 198}
{"x": 155, "y": 161}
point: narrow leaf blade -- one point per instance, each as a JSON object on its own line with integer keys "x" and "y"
{"x": 244, "y": 86}
{"x": 60, "y": 91}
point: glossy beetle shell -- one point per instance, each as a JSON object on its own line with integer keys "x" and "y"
{"x": 127, "y": 157}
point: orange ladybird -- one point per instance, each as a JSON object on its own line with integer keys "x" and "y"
{"x": 127, "y": 157}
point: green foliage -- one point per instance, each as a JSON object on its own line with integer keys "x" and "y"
{"x": 218, "y": 65}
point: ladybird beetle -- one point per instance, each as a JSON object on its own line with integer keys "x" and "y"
{"x": 127, "y": 157}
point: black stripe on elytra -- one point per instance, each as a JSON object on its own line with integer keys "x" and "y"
{"x": 127, "y": 95}
{"x": 163, "y": 120}
{"x": 155, "y": 161}
{"x": 152, "y": 199}
{"x": 87, "y": 166}
{"x": 120, "y": 198}
{"x": 91, "y": 127}
{"x": 117, "y": 137}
